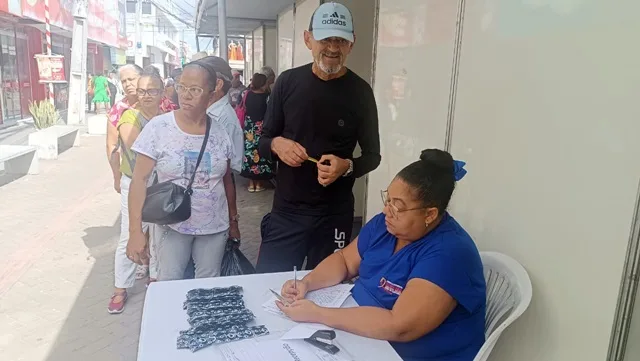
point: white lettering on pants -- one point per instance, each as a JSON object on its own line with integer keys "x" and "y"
{"x": 339, "y": 239}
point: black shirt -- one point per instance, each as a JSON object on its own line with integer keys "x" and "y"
{"x": 256, "y": 105}
{"x": 325, "y": 117}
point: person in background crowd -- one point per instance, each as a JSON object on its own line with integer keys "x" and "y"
{"x": 132, "y": 122}
{"x": 90, "y": 93}
{"x": 199, "y": 55}
{"x": 421, "y": 283}
{"x": 169, "y": 88}
{"x": 171, "y": 144}
{"x": 113, "y": 89}
{"x": 318, "y": 111}
{"x": 222, "y": 112}
{"x": 101, "y": 94}
{"x": 175, "y": 77}
{"x": 271, "y": 76}
{"x": 237, "y": 88}
{"x": 254, "y": 167}
{"x": 113, "y": 77}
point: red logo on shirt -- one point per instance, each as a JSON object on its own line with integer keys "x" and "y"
{"x": 390, "y": 287}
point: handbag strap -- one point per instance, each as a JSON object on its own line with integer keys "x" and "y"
{"x": 202, "y": 149}
{"x": 126, "y": 153}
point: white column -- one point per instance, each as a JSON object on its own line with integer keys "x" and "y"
{"x": 222, "y": 29}
{"x": 138, "y": 28}
{"x": 78, "y": 78}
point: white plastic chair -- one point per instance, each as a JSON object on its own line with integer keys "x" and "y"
{"x": 508, "y": 296}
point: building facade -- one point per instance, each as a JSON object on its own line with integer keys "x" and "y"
{"x": 160, "y": 43}
{"x": 22, "y": 37}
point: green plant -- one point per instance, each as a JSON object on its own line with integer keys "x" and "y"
{"x": 44, "y": 114}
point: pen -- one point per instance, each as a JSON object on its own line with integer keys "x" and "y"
{"x": 280, "y": 298}
{"x": 295, "y": 277}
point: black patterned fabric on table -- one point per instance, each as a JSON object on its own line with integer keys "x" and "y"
{"x": 217, "y": 315}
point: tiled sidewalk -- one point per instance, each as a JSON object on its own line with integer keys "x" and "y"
{"x": 58, "y": 232}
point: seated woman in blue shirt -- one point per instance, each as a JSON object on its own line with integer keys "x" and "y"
{"x": 421, "y": 284}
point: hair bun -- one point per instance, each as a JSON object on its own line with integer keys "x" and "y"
{"x": 438, "y": 158}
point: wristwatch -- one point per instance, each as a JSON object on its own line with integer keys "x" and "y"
{"x": 235, "y": 218}
{"x": 350, "y": 170}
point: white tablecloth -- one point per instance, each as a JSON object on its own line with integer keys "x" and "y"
{"x": 163, "y": 318}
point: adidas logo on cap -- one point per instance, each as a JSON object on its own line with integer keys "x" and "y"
{"x": 334, "y": 19}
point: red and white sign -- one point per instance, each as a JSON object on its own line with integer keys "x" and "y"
{"x": 50, "y": 68}
{"x": 102, "y": 17}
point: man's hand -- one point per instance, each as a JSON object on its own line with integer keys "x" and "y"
{"x": 290, "y": 152}
{"x": 334, "y": 169}
{"x": 137, "y": 248}
{"x": 234, "y": 230}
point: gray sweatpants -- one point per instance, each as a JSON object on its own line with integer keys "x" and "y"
{"x": 174, "y": 250}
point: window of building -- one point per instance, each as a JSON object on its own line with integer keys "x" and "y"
{"x": 131, "y": 7}
{"x": 146, "y": 8}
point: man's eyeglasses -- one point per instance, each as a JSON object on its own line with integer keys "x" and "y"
{"x": 393, "y": 209}
{"x": 194, "y": 91}
{"x": 152, "y": 92}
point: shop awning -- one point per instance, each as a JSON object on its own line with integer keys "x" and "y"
{"x": 243, "y": 16}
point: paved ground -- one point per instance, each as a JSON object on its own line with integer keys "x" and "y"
{"x": 58, "y": 232}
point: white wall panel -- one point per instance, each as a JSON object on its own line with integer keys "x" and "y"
{"x": 304, "y": 11}
{"x": 285, "y": 40}
{"x": 271, "y": 48}
{"x": 248, "y": 58}
{"x": 547, "y": 118}
{"x": 412, "y": 79}
{"x": 258, "y": 49}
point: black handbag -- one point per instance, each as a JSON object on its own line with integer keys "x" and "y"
{"x": 170, "y": 203}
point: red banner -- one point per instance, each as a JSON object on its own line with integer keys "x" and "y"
{"x": 50, "y": 68}
{"x": 103, "y": 21}
{"x": 60, "y": 12}
{"x": 102, "y": 17}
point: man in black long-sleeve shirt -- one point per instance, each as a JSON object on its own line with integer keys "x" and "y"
{"x": 318, "y": 111}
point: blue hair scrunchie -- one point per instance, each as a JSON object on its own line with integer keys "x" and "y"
{"x": 458, "y": 170}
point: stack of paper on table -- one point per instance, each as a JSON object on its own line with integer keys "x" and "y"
{"x": 331, "y": 297}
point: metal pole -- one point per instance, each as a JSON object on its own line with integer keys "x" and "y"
{"x": 222, "y": 29}
{"x": 47, "y": 30}
{"x": 78, "y": 79}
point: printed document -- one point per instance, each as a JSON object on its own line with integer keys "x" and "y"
{"x": 331, "y": 297}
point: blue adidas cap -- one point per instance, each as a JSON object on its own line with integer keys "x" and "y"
{"x": 332, "y": 20}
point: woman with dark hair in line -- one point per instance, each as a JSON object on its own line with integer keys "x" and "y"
{"x": 149, "y": 91}
{"x": 254, "y": 167}
{"x": 129, "y": 75}
{"x": 171, "y": 144}
{"x": 421, "y": 284}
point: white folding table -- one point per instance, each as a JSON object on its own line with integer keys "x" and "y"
{"x": 163, "y": 318}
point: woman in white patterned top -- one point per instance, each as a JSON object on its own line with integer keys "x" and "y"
{"x": 171, "y": 144}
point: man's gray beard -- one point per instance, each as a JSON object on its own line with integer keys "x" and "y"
{"x": 327, "y": 69}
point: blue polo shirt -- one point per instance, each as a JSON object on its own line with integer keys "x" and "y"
{"x": 446, "y": 257}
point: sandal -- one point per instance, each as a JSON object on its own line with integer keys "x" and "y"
{"x": 117, "y": 307}
{"x": 259, "y": 189}
{"x": 251, "y": 189}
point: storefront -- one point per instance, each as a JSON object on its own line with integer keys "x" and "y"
{"x": 15, "y": 70}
